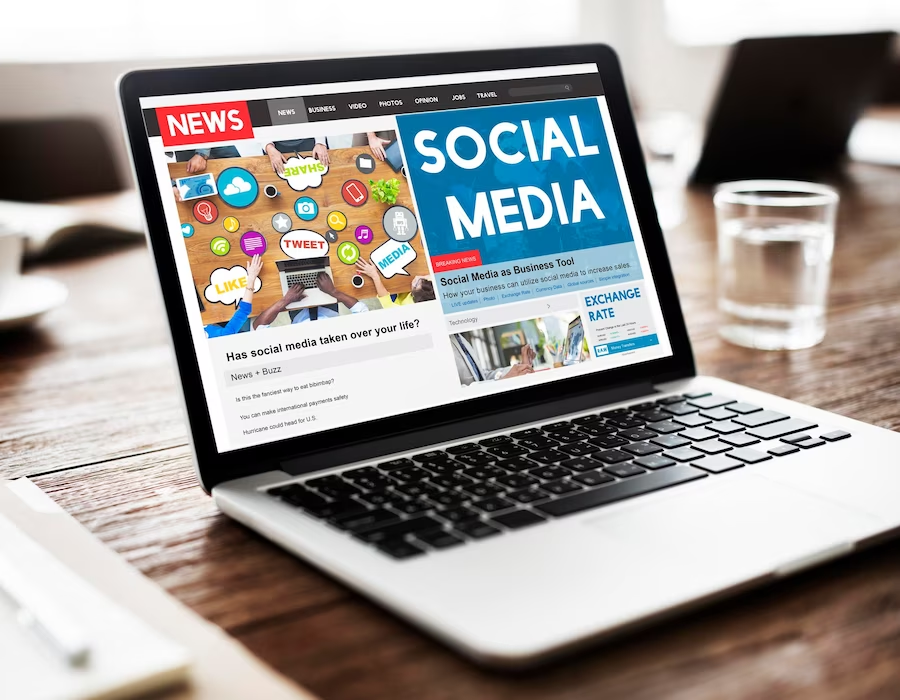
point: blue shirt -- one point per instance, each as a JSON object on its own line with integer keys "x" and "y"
{"x": 234, "y": 325}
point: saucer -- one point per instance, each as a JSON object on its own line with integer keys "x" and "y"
{"x": 27, "y": 298}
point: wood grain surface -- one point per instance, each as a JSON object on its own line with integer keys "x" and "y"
{"x": 89, "y": 409}
{"x": 258, "y": 217}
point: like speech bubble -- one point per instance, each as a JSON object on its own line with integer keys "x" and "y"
{"x": 392, "y": 257}
{"x": 226, "y": 285}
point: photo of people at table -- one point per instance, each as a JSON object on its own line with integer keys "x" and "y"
{"x": 296, "y": 230}
{"x": 518, "y": 349}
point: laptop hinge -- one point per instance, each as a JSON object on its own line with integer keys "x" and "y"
{"x": 461, "y": 429}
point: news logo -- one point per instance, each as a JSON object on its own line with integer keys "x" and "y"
{"x": 189, "y": 124}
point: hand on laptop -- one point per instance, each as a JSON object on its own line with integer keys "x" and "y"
{"x": 376, "y": 145}
{"x": 295, "y": 293}
{"x": 325, "y": 283}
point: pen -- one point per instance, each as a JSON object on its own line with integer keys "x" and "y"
{"x": 46, "y": 620}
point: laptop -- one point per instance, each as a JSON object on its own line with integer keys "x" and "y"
{"x": 305, "y": 272}
{"x": 786, "y": 105}
{"x": 524, "y": 516}
{"x": 574, "y": 342}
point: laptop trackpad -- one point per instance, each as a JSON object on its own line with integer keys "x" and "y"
{"x": 738, "y": 526}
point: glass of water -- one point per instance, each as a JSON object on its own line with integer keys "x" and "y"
{"x": 775, "y": 244}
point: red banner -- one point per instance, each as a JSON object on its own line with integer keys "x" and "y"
{"x": 456, "y": 261}
{"x": 223, "y": 121}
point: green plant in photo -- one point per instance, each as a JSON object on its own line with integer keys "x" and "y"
{"x": 385, "y": 191}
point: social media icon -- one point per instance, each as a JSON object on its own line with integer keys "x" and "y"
{"x": 282, "y": 223}
{"x": 306, "y": 208}
{"x": 205, "y": 211}
{"x": 237, "y": 187}
{"x": 187, "y": 230}
{"x": 231, "y": 224}
{"x": 400, "y": 223}
{"x": 363, "y": 234}
{"x": 348, "y": 253}
{"x": 365, "y": 164}
{"x": 354, "y": 193}
{"x": 253, "y": 243}
{"x": 331, "y": 236}
{"x": 220, "y": 246}
{"x": 337, "y": 220}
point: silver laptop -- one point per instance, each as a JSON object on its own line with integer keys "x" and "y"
{"x": 306, "y": 273}
{"x": 515, "y": 509}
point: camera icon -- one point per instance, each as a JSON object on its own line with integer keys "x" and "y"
{"x": 306, "y": 208}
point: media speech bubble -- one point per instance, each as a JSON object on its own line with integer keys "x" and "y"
{"x": 302, "y": 243}
{"x": 227, "y": 285}
{"x": 390, "y": 258}
{"x": 301, "y": 173}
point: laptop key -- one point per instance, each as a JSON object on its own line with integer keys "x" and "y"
{"x": 835, "y": 435}
{"x": 339, "y": 491}
{"x": 739, "y": 439}
{"x": 483, "y": 490}
{"x": 529, "y": 495}
{"x": 696, "y": 394}
{"x": 583, "y": 420}
{"x": 666, "y": 427}
{"x": 516, "y": 481}
{"x": 743, "y": 408}
{"x": 558, "y": 425}
{"x": 517, "y": 464}
{"x": 406, "y": 474}
{"x": 655, "y": 462}
{"x": 711, "y": 401}
{"x": 450, "y": 481}
{"x": 771, "y": 431}
{"x": 412, "y": 507}
{"x": 581, "y": 464}
{"x": 717, "y": 464}
{"x": 720, "y": 413}
{"x": 450, "y": 499}
{"x": 570, "y": 435}
{"x": 476, "y": 459}
{"x": 594, "y": 478}
{"x": 560, "y": 487}
{"x": 698, "y": 434}
{"x": 448, "y": 467}
{"x": 726, "y": 427}
{"x": 597, "y": 429}
{"x": 642, "y": 448}
{"x": 670, "y": 441}
{"x": 496, "y": 440}
{"x": 609, "y": 441}
{"x": 612, "y": 456}
{"x": 625, "y": 422}
{"x": 400, "y": 549}
{"x": 476, "y": 529}
{"x": 680, "y": 409}
{"x": 458, "y": 514}
{"x": 439, "y": 539}
{"x": 713, "y": 447}
{"x": 692, "y": 420}
{"x": 637, "y": 434}
{"x": 394, "y": 531}
{"x": 366, "y": 520}
{"x": 781, "y": 450}
{"x": 548, "y": 456}
{"x": 528, "y": 432}
{"x": 380, "y": 497}
{"x": 749, "y": 455}
{"x": 507, "y": 451}
{"x": 550, "y": 473}
{"x": 665, "y": 401}
{"x": 577, "y": 449}
{"x": 754, "y": 420}
{"x": 424, "y": 457}
{"x": 482, "y": 473}
{"x": 301, "y": 498}
{"x": 518, "y": 519}
{"x": 812, "y": 442}
{"x": 612, "y": 413}
{"x": 791, "y": 439}
{"x": 539, "y": 442}
{"x": 625, "y": 470}
{"x": 611, "y": 493}
{"x": 460, "y": 449}
{"x": 361, "y": 473}
{"x": 652, "y": 416}
{"x": 684, "y": 454}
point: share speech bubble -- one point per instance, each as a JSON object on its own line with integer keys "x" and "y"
{"x": 227, "y": 285}
{"x": 392, "y": 257}
{"x": 301, "y": 173}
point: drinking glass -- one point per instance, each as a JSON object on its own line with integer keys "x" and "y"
{"x": 776, "y": 239}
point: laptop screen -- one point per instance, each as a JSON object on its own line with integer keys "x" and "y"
{"x": 355, "y": 251}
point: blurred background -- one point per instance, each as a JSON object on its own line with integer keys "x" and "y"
{"x": 59, "y": 62}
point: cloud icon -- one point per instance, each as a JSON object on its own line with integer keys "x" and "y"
{"x": 226, "y": 285}
{"x": 236, "y": 186}
{"x": 301, "y": 173}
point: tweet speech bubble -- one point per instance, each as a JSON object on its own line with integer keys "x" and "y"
{"x": 301, "y": 173}
{"x": 390, "y": 258}
{"x": 302, "y": 243}
{"x": 227, "y": 285}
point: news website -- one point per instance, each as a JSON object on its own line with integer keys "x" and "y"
{"x": 355, "y": 251}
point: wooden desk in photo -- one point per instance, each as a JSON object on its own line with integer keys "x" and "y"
{"x": 258, "y": 217}
{"x": 90, "y": 410}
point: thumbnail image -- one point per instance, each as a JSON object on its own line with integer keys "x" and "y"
{"x": 300, "y": 230}
{"x": 516, "y": 349}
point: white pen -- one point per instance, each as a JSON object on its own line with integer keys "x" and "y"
{"x": 43, "y": 617}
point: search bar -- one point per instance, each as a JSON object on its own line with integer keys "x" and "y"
{"x": 557, "y": 89}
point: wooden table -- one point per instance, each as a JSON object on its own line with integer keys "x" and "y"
{"x": 258, "y": 217}
{"x": 89, "y": 410}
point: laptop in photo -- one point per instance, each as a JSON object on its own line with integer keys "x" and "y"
{"x": 624, "y": 488}
{"x": 305, "y": 272}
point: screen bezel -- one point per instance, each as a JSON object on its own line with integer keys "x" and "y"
{"x": 215, "y": 467}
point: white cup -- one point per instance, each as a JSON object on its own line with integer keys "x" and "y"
{"x": 11, "y": 249}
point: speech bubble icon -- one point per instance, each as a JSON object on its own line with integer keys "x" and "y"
{"x": 302, "y": 243}
{"x": 301, "y": 173}
{"x": 227, "y": 285}
{"x": 390, "y": 258}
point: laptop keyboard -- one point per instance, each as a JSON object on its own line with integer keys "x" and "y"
{"x": 307, "y": 279}
{"x": 445, "y": 498}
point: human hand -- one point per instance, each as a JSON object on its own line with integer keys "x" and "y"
{"x": 365, "y": 267}
{"x": 326, "y": 284}
{"x": 176, "y": 193}
{"x": 528, "y": 355}
{"x": 197, "y": 164}
{"x": 276, "y": 158}
{"x": 254, "y": 265}
{"x": 295, "y": 293}
{"x": 320, "y": 153}
{"x": 518, "y": 370}
{"x": 376, "y": 145}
